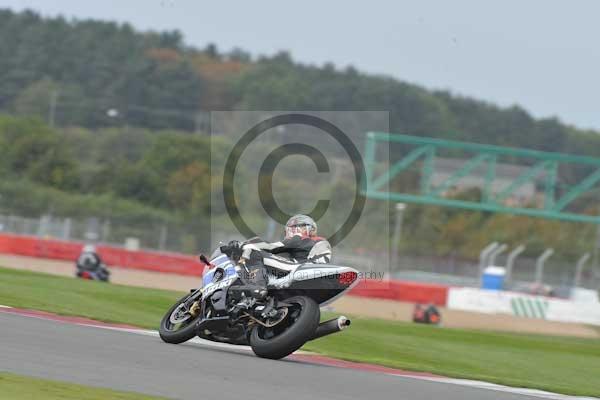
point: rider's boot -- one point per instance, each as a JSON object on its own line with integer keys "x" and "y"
{"x": 255, "y": 281}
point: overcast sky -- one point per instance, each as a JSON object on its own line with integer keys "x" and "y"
{"x": 541, "y": 54}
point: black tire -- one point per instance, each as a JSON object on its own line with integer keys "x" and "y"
{"x": 177, "y": 336}
{"x": 293, "y": 337}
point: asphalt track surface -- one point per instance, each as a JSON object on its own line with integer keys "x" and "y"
{"x": 144, "y": 364}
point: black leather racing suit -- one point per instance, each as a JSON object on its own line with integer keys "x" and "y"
{"x": 294, "y": 250}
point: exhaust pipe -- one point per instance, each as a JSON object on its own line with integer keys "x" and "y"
{"x": 331, "y": 326}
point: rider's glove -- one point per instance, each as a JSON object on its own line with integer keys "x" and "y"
{"x": 232, "y": 250}
{"x": 234, "y": 244}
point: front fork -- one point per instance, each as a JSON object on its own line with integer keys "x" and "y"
{"x": 193, "y": 303}
{"x": 195, "y": 308}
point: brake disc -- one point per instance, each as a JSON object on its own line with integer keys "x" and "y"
{"x": 179, "y": 315}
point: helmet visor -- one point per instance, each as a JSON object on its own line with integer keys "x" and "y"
{"x": 298, "y": 230}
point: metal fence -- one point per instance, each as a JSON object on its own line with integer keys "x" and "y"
{"x": 150, "y": 235}
{"x": 558, "y": 274}
{"x": 176, "y": 238}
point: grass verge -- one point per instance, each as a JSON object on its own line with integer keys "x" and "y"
{"x": 97, "y": 300}
{"x": 17, "y": 387}
{"x": 559, "y": 364}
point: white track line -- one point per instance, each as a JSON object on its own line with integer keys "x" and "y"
{"x": 452, "y": 381}
{"x": 501, "y": 388}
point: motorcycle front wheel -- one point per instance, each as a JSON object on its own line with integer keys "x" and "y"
{"x": 178, "y": 325}
{"x": 290, "y": 334}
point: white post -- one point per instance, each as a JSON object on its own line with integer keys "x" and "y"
{"x": 483, "y": 257}
{"x": 510, "y": 261}
{"x": 495, "y": 253}
{"x": 105, "y": 230}
{"x": 162, "y": 242}
{"x": 539, "y": 265}
{"x": 43, "y": 224}
{"x": 579, "y": 268}
{"x": 66, "y": 231}
{"x": 400, "y": 207}
{"x": 596, "y": 250}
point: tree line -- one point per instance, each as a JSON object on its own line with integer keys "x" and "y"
{"x": 102, "y": 116}
{"x": 154, "y": 80}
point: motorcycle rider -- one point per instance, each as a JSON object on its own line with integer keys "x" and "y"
{"x": 89, "y": 264}
{"x": 301, "y": 244}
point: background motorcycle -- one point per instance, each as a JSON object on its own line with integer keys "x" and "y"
{"x": 101, "y": 273}
{"x": 275, "y": 326}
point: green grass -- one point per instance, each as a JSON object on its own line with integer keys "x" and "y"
{"x": 559, "y": 364}
{"x": 16, "y": 387}
{"x": 104, "y": 302}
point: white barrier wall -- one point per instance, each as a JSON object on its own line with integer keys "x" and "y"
{"x": 523, "y": 305}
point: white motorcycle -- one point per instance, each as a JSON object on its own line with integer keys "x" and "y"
{"x": 274, "y": 326}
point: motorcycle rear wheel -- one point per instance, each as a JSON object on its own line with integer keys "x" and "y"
{"x": 291, "y": 334}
